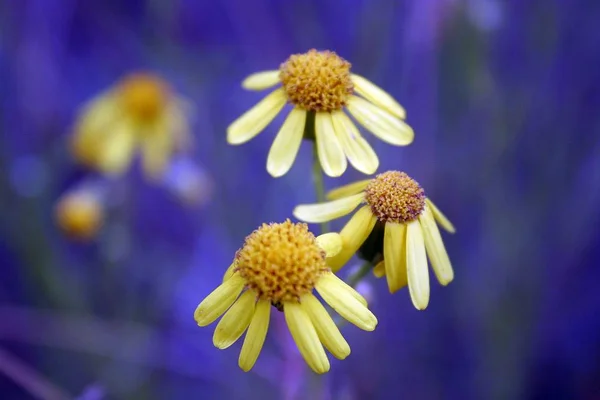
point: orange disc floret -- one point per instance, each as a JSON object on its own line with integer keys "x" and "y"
{"x": 395, "y": 197}
{"x": 281, "y": 261}
{"x": 317, "y": 80}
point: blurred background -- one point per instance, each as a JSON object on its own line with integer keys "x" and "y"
{"x": 504, "y": 97}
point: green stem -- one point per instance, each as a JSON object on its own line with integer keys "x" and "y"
{"x": 319, "y": 184}
{"x": 359, "y": 274}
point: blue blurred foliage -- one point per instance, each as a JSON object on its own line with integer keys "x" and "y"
{"x": 504, "y": 99}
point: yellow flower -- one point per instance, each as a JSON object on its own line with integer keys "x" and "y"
{"x": 397, "y": 222}
{"x": 79, "y": 214}
{"x": 280, "y": 265}
{"x": 319, "y": 84}
{"x": 140, "y": 113}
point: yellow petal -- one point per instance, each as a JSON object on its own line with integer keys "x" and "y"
{"x": 345, "y": 304}
{"x": 253, "y": 121}
{"x": 286, "y": 144}
{"x": 381, "y": 123}
{"x": 235, "y": 321}
{"x": 116, "y": 152}
{"x": 328, "y": 332}
{"x": 348, "y": 190}
{"x": 229, "y": 273}
{"x": 440, "y": 217}
{"x": 255, "y": 337}
{"x": 394, "y": 254}
{"x": 377, "y": 96}
{"x": 360, "y": 154}
{"x": 354, "y": 234}
{"x": 379, "y": 270}
{"x": 330, "y": 152}
{"x": 261, "y": 80}
{"x": 416, "y": 266}
{"x": 156, "y": 148}
{"x": 306, "y": 337}
{"x": 177, "y": 122}
{"x": 435, "y": 248}
{"x": 322, "y": 212}
{"x": 219, "y": 300}
{"x": 97, "y": 115}
{"x": 330, "y": 242}
{"x": 344, "y": 286}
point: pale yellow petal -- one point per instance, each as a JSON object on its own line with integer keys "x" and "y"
{"x": 354, "y": 233}
{"x": 330, "y": 152}
{"x": 359, "y": 152}
{"x": 330, "y": 242}
{"x": 306, "y": 337}
{"x": 157, "y": 149}
{"x": 440, "y": 217}
{"x": 394, "y": 254}
{"x": 235, "y": 321}
{"x": 435, "y": 248}
{"x": 348, "y": 190}
{"x": 379, "y": 269}
{"x": 345, "y": 304}
{"x": 253, "y": 121}
{"x": 261, "y": 80}
{"x": 255, "y": 337}
{"x": 219, "y": 300}
{"x": 328, "y": 332}
{"x": 322, "y": 212}
{"x": 377, "y": 96}
{"x": 229, "y": 273}
{"x": 97, "y": 115}
{"x": 286, "y": 144}
{"x": 176, "y": 120}
{"x": 344, "y": 286}
{"x": 382, "y": 124}
{"x": 117, "y": 149}
{"x": 416, "y": 266}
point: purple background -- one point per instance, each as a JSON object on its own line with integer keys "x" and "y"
{"x": 504, "y": 97}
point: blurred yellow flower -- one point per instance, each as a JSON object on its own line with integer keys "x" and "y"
{"x": 279, "y": 265}
{"x": 320, "y": 86}
{"x": 140, "y": 113}
{"x": 398, "y": 222}
{"x": 79, "y": 214}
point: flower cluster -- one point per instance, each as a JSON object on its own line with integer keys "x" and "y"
{"x": 280, "y": 265}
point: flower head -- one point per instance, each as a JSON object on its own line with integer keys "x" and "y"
{"x": 140, "y": 113}
{"x": 280, "y": 265}
{"x": 320, "y": 84}
{"x": 79, "y": 214}
{"x": 395, "y": 228}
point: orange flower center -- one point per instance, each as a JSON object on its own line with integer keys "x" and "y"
{"x": 317, "y": 80}
{"x": 144, "y": 96}
{"x": 281, "y": 262}
{"x": 396, "y": 197}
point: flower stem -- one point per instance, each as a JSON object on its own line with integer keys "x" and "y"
{"x": 359, "y": 274}
{"x": 319, "y": 184}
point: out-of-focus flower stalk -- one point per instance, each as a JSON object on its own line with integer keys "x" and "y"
{"x": 29, "y": 379}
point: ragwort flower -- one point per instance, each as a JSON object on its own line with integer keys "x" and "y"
{"x": 80, "y": 213}
{"x": 280, "y": 265}
{"x": 397, "y": 222}
{"x": 320, "y": 86}
{"x": 140, "y": 113}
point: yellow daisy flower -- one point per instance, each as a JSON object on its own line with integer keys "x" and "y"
{"x": 140, "y": 113}
{"x": 320, "y": 87}
{"x": 397, "y": 222}
{"x": 79, "y": 214}
{"x": 280, "y": 264}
